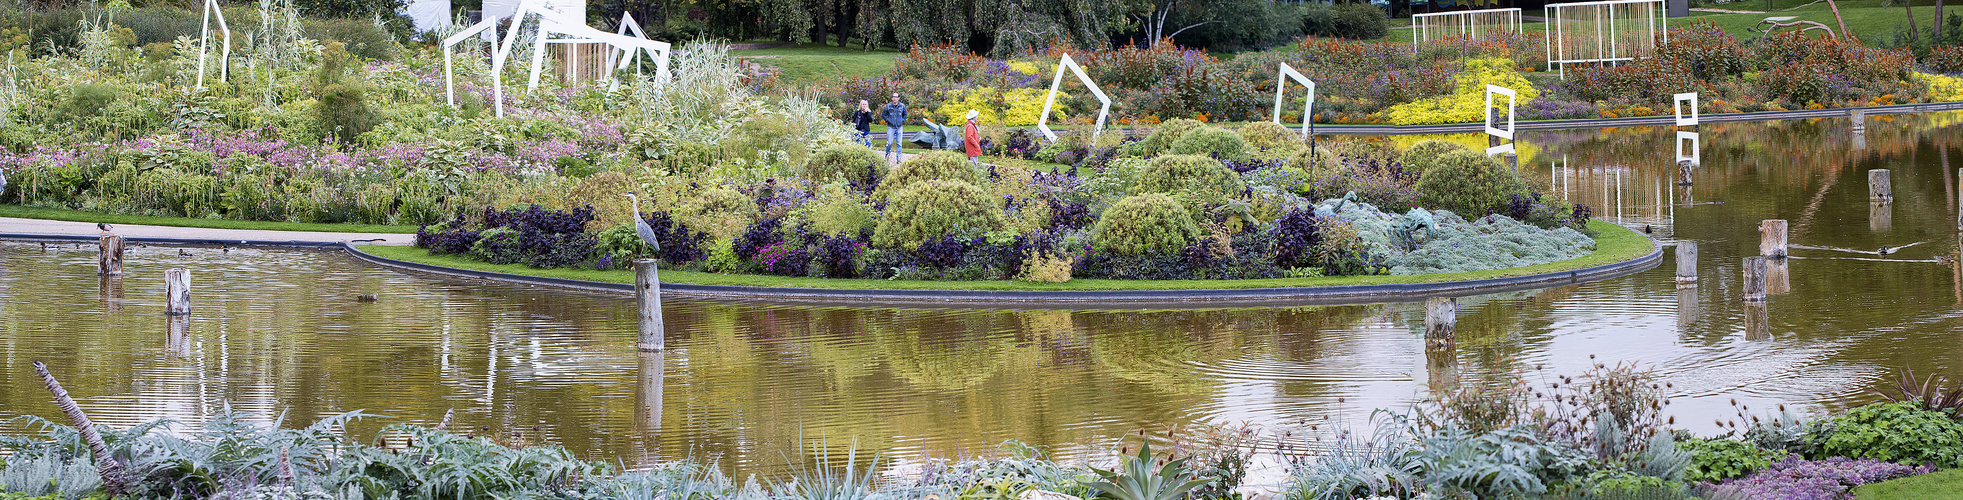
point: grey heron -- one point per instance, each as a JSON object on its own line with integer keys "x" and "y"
{"x": 641, "y": 225}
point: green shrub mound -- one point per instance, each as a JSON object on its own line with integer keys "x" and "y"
{"x": 1424, "y": 155}
{"x": 1211, "y": 141}
{"x": 722, "y": 212}
{"x": 1200, "y": 176}
{"x": 1714, "y": 460}
{"x": 936, "y": 165}
{"x": 933, "y": 208}
{"x": 1900, "y": 432}
{"x": 1144, "y": 224}
{"x": 837, "y": 210}
{"x": 852, "y": 161}
{"x": 1471, "y": 183}
{"x": 1271, "y": 135}
{"x": 1316, "y": 163}
{"x": 1165, "y": 134}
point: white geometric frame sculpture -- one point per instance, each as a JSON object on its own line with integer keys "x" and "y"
{"x": 1678, "y": 102}
{"x": 1282, "y": 77}
{"x": 1056, "y": 83}
{"x": 449, "y": 53}
{"x": 1512, "y": 101}
{"x": 1607, "y": 46}
{"x": 1465, "y": 22}
{"x": 204, "y": 42}
{"x": 619, "y": 60}
{"x": 550, "y": 22}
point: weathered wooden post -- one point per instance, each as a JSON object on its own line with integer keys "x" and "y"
{"x": 1684, "y": 170}
{"x": 109, "y": 256}
{"x": 1686, "y": 264}
{"x": 1880, "y": 189}
{"x": 1772, "y": 238}
{"x": 177, "y": 292}
{"x": 1754, "y": 279}
{"x": 647, "y": 292}
{"x": 1860, "y": 119}
{"x": 653, "y": 379}
{"x": 1441, "y": 317}
{"x": 1881, "y": 216}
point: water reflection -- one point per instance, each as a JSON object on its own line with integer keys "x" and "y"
{"x": 283, "y": 331}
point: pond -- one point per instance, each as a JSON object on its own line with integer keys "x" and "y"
{"x": 282, "y": 331}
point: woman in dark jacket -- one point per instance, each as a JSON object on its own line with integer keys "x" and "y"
{"x": 862, "y": 122}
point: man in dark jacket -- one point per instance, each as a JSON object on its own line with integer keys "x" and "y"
{"x": 895, "y": 116}
{"x": 862, "y": 122}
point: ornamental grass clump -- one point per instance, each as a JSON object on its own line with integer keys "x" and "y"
{"x": 853, "y": 162}
{"x": 1469, "y": 182}
{"x": 1217, "y": 142}
{"x": 1143, "y": 224}
{"x": 936, "y": 165}
{"x": 934, "y": 208}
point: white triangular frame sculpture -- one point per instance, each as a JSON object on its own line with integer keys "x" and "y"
{"x": 1512, "y": 101}
{"x": 1282, "y": 77}
{"x": 1056, "y": 83}
{"x": 1695, "y": 155}
{"x": 621, "y": 57}
{"x": 204, "y": 43}
{"x": 553, "y": 22}
{"x": 449, "y": 56}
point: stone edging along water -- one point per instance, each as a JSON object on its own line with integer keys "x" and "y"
{"x": 1319, "y": 295}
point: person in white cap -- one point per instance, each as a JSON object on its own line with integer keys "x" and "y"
{"x": 971, "y": 138}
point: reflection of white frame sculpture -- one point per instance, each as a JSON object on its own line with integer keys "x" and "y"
{"x": 449, "y": 54}
{"x": 1678, "y": 102}
{"x": 1635, "y": 32}
{"x": 550, "y": 22}
{"x": 1696, "y": 154}
{"x": 1056, "y": 83}
{"x": 1512, "y": 100}
{"x": 204, "y": 43}
{"x": 1467, "y": 22}
{"x": 1282, "y": 77}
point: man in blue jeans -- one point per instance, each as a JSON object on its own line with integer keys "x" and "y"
{"x": 895, "y": 116}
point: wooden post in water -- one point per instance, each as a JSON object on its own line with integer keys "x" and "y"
{"x": 175, "y": 342}
{"x": 1687, "y": 309}
{"x": 1684, "y": 170}
{"x": 1772, "y": 238}
{"x": 653, "y": 379}
{"x": 1778, "y": 277}
{"x": 1860, "y": 120}
{"x": 177, "y": 292}
{"x": 1441, "y": 317}
{"x": 1754, "y": 279}
{"x": 1881, "y": 216}
{"x": 109, "y": 258}
{"x": 1686, "y": 264}
{"x": 647, "y": 295}
{"x": 1880, "y": 189}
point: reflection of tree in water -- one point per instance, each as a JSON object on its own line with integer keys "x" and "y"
{"x": 935, "y": 350}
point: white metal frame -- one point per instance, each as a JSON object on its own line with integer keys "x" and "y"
{"x": 204, "y": 43}
{"x": 1282, "y": 76}
{"x": 1678, "y": 102}
{"x": 1657, "y": 20}
{"x": 1458, "y": 22}
{"x": 622, "y": 56}
{"x": 1056, "y": 83}
{"x": 449, "y": 56}
{"x": 1512, "y": 103}
{"x": 553, "y": 22}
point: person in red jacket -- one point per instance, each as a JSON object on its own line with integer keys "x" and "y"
{"x": 971, "y": 138}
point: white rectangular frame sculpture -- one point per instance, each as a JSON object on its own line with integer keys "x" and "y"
{"x": 204, "y": 42}
{"x": 1465, "y": 22}
{"x": 1606, "y": 49}
{"x": 1056, "y": 83}
{"x": 1678, "y": 101}
{"x": 449, "y": 56}
{"x": 1512, "y": 102}
{"x": 1282, "y": 76}
{"x": 1696, "y": 148}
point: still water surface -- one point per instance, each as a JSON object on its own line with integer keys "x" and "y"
{"x": 281, "y": 331}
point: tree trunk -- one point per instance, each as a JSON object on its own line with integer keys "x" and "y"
{"x": 1842, "y": 22}
{"x": 1912, "y": 38}
{"x": 1938, "y": 36}
{"x": 112, "y": 472}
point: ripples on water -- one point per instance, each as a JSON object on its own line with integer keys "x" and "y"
{"x": 280, "y": 331}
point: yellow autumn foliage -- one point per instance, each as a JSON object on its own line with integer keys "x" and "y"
{"x": 1014, "y": 108}
{"x": 1466, "y": 105}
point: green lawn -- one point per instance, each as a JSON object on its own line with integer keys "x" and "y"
{"x": 1616, "y": 244}
{"x": 81, "y": 216}
{"x": 1938, "y": 485}
{"x": 1873, "y": 24}
{"x": 812, "y": 62}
